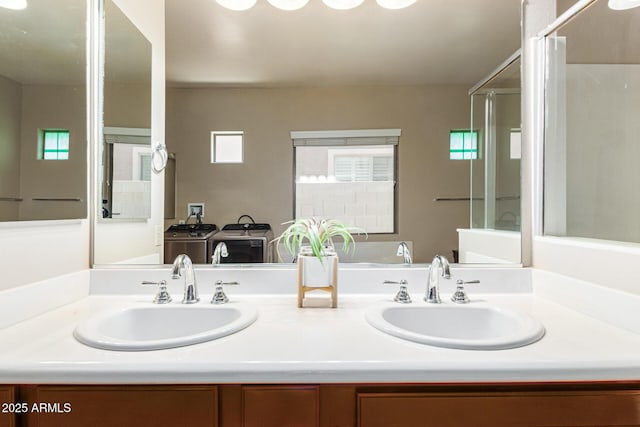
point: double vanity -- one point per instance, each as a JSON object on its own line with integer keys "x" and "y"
{"x": 163, "y": 325}
{"x": 98, "y": 334}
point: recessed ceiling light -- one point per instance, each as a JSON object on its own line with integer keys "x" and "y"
{"x": 236, "y": 4}
{"x": 623, "y": 4}
{"x": 13, "y": 4}
{"x": 288, "y": 4}
{"x": 395, "y": 4}
{"x": 343, "y": 4}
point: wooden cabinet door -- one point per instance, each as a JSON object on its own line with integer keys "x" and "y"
{"x": 280, "y": 406}
{"x": 557, "y": 409}
{"x": 8, "y": 411}
{"x": 123, "y": 406}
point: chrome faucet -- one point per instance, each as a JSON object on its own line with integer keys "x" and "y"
{"x": 433, "y": 282}
{"x": 403, "y": 251}
{"x": 219, "y": 252}
{"x": 190, "y": 285}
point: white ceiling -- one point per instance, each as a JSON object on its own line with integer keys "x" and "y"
{"x": 431, "y": 42}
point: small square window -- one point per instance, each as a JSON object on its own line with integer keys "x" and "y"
{"x": 463, "y": 145}
{"x": 227, "y": 147}
{"x": 54, "y": 144}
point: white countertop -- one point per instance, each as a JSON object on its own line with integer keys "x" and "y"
{"x": 319, "y": 345}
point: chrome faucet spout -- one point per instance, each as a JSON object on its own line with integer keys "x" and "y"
{"x": 433, "y": 281}
{"x": 403, "y": 251}
{"x": 219, "y": 252}
{"x": 181, "y": 262}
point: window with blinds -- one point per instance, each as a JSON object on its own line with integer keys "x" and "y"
{"x": 347, "y": 175}
{"x": 375, "y": 164}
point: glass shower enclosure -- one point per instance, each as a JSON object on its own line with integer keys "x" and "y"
{"x": 495, "y": 169}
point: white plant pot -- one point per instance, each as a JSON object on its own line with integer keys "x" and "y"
{"x": 317, "y": 274}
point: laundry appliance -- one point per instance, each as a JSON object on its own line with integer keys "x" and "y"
{"x": 191, "y": 239}
{"x": 246, "y": 243}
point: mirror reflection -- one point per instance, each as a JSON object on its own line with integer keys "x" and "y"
{"x": 43, "y": 132}
{"x": 591, "y": 140}
{"x": 243, "y": 76}
{"x": 126, "y": 186}
{"x": 126, "y": 149}
{"x": 495, "y": 121}
{"x": 493, "y": 145}
{"x": 380, "y": 77}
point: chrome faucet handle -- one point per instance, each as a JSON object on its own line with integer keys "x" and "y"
{"x": 433, "y": 282}
{"x": 403, "y": 294}
{"x": 460, "y": 296}
{"x": 162, "y": 297}
{"x": 219, "y": 297}
{"x": 220, "y": 251}
{"x": 403, "y": 251}
{"x": 183, "y": 262}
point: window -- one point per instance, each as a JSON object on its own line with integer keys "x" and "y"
{"x": 54, "y": 144}
{"x": 139, "y": 159}
{"x": 348, "y": 176}
{"x": 463, "y": 145}
{"x": 361, "y": 164}
{"x": 145, "y": 167}
{"x": 226, "y": 147}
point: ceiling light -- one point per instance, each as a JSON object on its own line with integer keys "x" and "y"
{"x": 343, "y": 4}
{"x": 623, "y": 4}
{"x": 13, "y": 4}
{"x": 395, "y": 4}
{"x": 288, "y": 4}
{"x": 236, "y": 4}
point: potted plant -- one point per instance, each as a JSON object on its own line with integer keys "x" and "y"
{"x": 311, "y": 241}
{"x": 318, "y": 234}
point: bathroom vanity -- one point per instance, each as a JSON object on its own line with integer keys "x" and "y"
{"x": 319, "y": 367}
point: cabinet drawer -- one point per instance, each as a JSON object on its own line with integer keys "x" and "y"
{"x": 7, "y": 414}
{"x": 558, "y": 409}
{"x": 274, "y": 406}
{"x": 97, "y": 406}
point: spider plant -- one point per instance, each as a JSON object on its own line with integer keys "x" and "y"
{"x": 319, "y": 234}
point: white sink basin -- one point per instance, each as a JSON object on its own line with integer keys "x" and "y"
{"x": 469, "y": 327}
{"x": 155, "y": 327}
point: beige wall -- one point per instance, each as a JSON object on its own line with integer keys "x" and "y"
{"x": 53, "y": 107}
{"x": 127, "y": 105}
{"x": 10, "y": 111}
{"x": 263, "y": 186}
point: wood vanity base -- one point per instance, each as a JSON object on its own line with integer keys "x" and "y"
{"x": 323, "y": 405}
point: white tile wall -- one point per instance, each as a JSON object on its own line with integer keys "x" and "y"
{"x": 131, "y": 199}
{"x": 368, "y": 205}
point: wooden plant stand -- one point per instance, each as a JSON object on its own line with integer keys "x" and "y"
{"x": 306, "y": 262}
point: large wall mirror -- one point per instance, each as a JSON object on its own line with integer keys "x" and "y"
{"x": 125, "y": 152}
{"x": 242, "y": 73}
{"x": 43, "y": 113}
{"x": 591, "y": 138}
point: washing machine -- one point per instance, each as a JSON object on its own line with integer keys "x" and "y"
{"x": 246, "y": 243}
{"x": 191, "y": 239}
